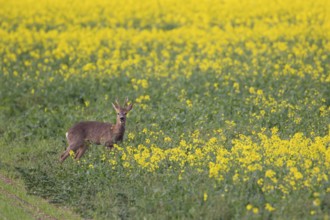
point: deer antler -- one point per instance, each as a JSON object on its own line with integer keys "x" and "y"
{"x": 126, "y": 101}
{"x": 117, "y": 104}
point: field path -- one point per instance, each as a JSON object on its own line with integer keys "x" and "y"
{"x": 16, "y": 204}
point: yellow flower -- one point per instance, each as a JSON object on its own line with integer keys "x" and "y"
{"x": 297, "y": 120}
{"x": 116, "y": 146}
{"x": 297, "y": 175}
{"x": 249, "y": 207}
{"x": 131, "y": 136}
{"x": 270, "y": 173}
{"x": 144, "y": 83}
{"x": 260, "y": 92}
{"x": 71, "y": 152}
{"x": 189, "y": 103}
{"x": 167, "y": 139}
{"x": 274, "y": 130}
{"x": 88, "y": 67}
{"x": 255, "y": 210}
{"x": 205, "y": 196}
{"x": 236, "y": 87}
{"x": 317, "y": 202}
{"x": 252, "y": 90}
{"x": 269, "y": 207}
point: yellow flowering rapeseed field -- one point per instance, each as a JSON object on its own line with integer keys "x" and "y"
{"x": 231, "y": 111}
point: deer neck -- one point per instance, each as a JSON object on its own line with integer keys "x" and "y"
{"x": 119, "y": 127}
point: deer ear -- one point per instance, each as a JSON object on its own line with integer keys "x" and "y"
{"x": 114, "y": 106}
{"x": 129, "y": 107}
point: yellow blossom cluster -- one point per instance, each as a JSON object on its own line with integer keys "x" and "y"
{"x": 167, "y": 38}
{"x": 234, "y": 91}
{"x": 164, "y": 40}
{"x": 280, "y": 165}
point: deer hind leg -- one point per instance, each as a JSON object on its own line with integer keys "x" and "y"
{"x": 73, "y": 147}
{"x": 81, "y": 151}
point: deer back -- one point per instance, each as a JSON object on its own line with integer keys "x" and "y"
{"x": 92, "y": 131}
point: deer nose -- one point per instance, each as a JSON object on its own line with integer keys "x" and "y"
{"x": 122, "y": 118}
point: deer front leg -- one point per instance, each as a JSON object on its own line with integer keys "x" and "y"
{"x": 109, "y": 145}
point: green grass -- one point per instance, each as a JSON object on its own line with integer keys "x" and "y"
{"x": 33, "y": 136}
{"x": 232, "y": 82}
{"x": 16, "y": 203}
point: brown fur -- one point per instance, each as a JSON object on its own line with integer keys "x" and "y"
{"x": 85, "y": 132}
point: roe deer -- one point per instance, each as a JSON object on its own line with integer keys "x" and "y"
{"x": 95, "y": 132}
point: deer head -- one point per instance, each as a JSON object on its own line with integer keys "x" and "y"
{"x": 122, "y": 110}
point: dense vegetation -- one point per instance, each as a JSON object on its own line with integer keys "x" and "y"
{"x": 231, "y": 106}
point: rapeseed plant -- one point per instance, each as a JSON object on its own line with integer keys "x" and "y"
{"x": 233, "y": 94}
